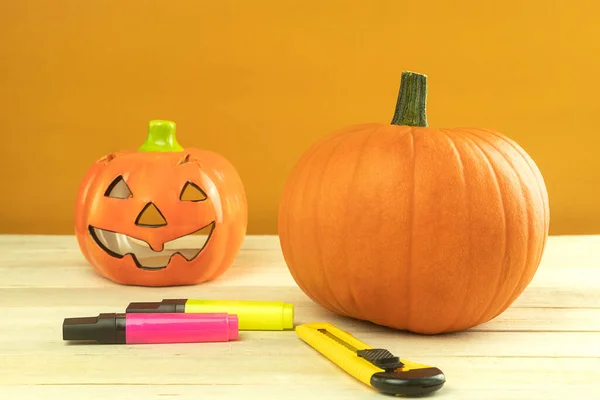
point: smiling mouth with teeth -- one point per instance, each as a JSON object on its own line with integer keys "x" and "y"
{"x": 119, "y": 245}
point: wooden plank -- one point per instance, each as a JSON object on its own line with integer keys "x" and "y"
{"x": 276, "y": 391}
{"x": 58, "y": 257}
{"x": 551, "y": 287}
{"x": 572, "y": 251}
{"x": 67, "y": 276}
{"x": 43, "y": 338}
{"x": 544, "y": 346}
{"x": 516, "y": 319}
{"x": 60, "y": 303}
{"x": 144, "y": 369}
{"x": 153, "y": 375}
{"x": 46, "y": 268}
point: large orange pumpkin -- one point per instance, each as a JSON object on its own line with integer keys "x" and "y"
{"x": 162, "y": 215}
{"x": 421, "y": 229}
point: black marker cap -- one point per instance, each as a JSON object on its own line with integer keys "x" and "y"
{"x": 105, "y": 328}
{"x": 165, "y": 306}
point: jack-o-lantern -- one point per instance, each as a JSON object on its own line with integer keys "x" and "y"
{"x": 162, "y": 215}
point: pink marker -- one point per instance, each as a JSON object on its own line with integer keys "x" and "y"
{"x": 152, "y": 328}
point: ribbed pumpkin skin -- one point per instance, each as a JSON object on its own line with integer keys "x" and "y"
{"x": 418, "y": 229}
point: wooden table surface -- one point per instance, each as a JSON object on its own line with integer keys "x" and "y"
{"x": 546, "y": 346}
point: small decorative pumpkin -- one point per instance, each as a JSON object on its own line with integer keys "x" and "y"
{"x": 162, "y": 215}
{"x": 415, "y": 228}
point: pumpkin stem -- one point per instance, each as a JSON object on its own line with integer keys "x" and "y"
{"x": 411, "y": 108}
{"x": 161, "y": 137}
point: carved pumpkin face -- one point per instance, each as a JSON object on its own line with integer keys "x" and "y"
{"x": 163, "y": 215}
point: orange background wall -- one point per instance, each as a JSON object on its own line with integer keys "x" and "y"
{"x": 260, "y": 81}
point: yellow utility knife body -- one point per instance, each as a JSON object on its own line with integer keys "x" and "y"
{"x": 377, "y": 368}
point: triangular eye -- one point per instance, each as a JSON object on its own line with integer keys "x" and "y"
{"x": 118, "y": 189}
{"x": 191, "y": 192}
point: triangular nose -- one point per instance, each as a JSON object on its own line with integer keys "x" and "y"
{"x": 151, "y": 217}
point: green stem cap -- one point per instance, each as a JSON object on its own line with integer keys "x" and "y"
{"x": 161, "y": 137}
{"x": 411, "y": 108}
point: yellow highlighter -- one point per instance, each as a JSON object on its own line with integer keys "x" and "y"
{"x": 377, "y": 368}
{"x": 252, "y": 315}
